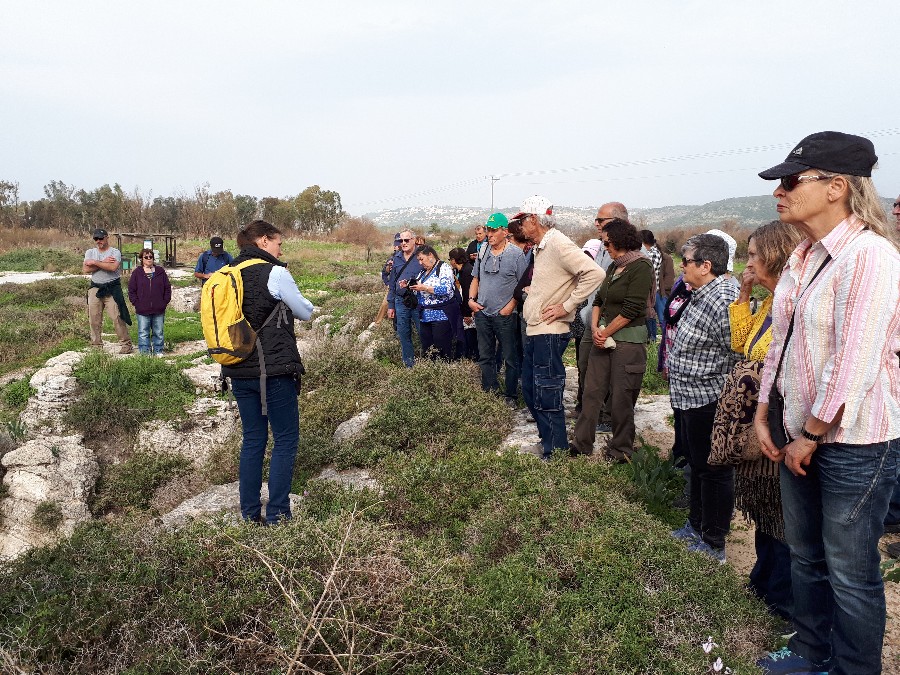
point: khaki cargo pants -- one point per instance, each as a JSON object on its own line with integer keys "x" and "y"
{"x": 95, "y": 318}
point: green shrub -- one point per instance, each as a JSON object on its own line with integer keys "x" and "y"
{"x": 437, "y": 407}
{"x": 41, "y": 260}
{"x": 654, "y": 382}
{"x": 657, "y": 480}
{"x": 130, "y": 484}
{"x": 47, "y": 515}
{"x": 117, "y": 395}
{"x": 15, "y": 394}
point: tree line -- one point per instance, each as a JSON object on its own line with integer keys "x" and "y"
{"x": 201, "y": 214}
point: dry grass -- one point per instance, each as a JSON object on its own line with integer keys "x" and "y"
{"x": 12, "y": 238}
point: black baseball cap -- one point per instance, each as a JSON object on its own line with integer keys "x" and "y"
{"x": 830, "y": 151}
{"x": 216, "y": 243}
{"x": 100, "y": 233}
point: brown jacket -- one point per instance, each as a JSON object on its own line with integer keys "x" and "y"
{"x": 666, "y": 274}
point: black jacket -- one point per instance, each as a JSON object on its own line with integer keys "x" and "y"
{"x": 277, "y": 337}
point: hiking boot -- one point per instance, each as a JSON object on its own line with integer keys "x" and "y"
{"x": 686, "y": 533}
{"x": 893, "y": 550}
{"x": 717, "y": 554}
{"x": 126, "y": 349}
{"x": 786, "y": 662}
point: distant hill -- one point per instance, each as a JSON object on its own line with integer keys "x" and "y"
{"x": 747, "y": 211}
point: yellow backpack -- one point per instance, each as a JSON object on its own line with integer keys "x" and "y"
{"x": 229, "y": 337}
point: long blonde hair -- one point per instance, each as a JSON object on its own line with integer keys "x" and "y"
{"x": 865, "y": 203}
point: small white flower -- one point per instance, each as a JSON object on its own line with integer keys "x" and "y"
{"x": 708, "y": 645}
{"x": 717, "y": 666}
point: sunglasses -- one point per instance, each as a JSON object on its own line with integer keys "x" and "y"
{"x": 99, "y": 238}
{"x": 790, "y": 182}
{"x": 685, "y": 261}
{"x": 897, "y": 205}
{"x": 600, "y": 221}
{"x": 405, "y": 241}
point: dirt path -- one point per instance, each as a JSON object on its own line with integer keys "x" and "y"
{"x": 741, "y": 556}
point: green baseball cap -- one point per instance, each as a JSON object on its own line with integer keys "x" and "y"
{"x": 496, "y": 221}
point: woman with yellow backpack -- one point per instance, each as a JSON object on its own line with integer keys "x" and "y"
{"x": 263, "y": 363}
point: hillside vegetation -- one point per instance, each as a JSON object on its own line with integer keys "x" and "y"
{"x": 467, "y": 559}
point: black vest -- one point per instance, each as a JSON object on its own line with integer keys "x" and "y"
{"x": 278, "y": 341}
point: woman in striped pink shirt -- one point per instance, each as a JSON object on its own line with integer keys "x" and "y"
{"x": 834, "y": 361}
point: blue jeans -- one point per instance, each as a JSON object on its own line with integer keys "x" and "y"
{"x": 502, "y": 329}
{"x": 660, "y": 307}
{"x": 283, "y": 417}
{"x": 833, "y": 519}
{"x": 543, "y": 382}
{"x": 148, "y": 323}
{"x": 770, "y": 578}
{"x": 405, "y": 320}
{"x": 651, "y": 329}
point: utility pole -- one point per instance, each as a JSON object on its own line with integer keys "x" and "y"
{"x": 493, "y": 180}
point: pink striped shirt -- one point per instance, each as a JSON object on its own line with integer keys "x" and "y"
{"x": 846, "y": 340}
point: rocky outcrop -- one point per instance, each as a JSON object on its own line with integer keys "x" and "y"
{"x": 350, "y": 429}
{"x": 55, "y": 388}
{"x": 56, "y": 472}
{"x": 222, "y": 502}
{"x": 210, "y": 423}
{"x": 205, "y": 376}
{"x": 186, "y": 299}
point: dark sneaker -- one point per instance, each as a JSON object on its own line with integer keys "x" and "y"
{"x": 893, "y": 550}
{"x": 604, "y": 428}
{"x": 686, "y": 533}
{"x": 682, "y": 502}
{"x": 786, "y": 662}
{"x": 892, "y": 528}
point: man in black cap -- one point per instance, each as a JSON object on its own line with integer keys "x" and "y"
{"x": 103, "y": 263}
{"x": 212, "y": 260}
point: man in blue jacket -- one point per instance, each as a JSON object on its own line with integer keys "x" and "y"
{"x": 406, "y": 266}
{"x": 212, "y": 260}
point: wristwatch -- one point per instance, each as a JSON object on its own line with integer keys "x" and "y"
{"x": 815, "y": 438}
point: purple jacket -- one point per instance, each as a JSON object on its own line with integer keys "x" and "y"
{"x": 149, "y": 296}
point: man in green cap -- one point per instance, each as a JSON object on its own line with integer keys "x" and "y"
{"x": 498, "y": 268}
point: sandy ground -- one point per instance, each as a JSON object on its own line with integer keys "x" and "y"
{"x": 741, "y": 555}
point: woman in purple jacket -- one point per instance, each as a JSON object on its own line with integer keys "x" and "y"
{"x": 149, "y": 291}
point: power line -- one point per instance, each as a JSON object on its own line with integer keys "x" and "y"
{"x": 472, "y": 182}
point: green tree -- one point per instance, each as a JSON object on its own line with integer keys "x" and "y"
{"x": 9, "y": 202}
{"x": 318, "y": 210}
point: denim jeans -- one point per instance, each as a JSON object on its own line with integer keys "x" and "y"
{"x": 651, "y": 329}
{"x": 833, "y": 519}
{"x": 502, "y": 329}
{"x": 770, "y": 578}
{"x": 660, "y": 307}
{"x": 406, "y": 320}
{"x": 543, "y": 382}
{"x": 148, "y": 323}
{"x": 283, "y": 417}
{"x": 712, "y": 487}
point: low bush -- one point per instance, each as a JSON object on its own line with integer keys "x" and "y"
{"x": 129, "y": 485}
{"x": 41, "y": 260}
{"x": 117, "y": 395}
{"x": 436, "y": 407}
{"x": 15, "y": 394}
{"x": 47, "y": 515}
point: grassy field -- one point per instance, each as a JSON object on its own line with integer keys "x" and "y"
{"x": 469, "y": 559}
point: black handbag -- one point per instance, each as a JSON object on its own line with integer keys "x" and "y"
{"x": 775, "y": 417}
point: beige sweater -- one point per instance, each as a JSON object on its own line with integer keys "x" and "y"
{"x": 562, "y": 274}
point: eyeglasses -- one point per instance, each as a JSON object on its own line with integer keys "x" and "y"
{"x": 790, "y": 182}
{"x": 148, "y": 257}
{"x": 600, "y": 221}
{"x": 685, "y": 261}
{"x": 405, "y": 241}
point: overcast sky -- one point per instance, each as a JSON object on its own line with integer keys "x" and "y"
{"x": 396, "y": 103}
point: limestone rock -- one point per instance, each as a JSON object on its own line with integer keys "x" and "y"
{"x": 204, "y": 375}
{"x": 651, "y": 419}
{"x": 190, "y": 347}
{"x": 56, "y": 469}
{"x": 55, "y": 390}
{"x": 351, "y": 428}
{"x": 219, "y": 501}
{"x": 185, "y": 299}
{"x": 356, "y": 479}
{"x": 210, "y": 423}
